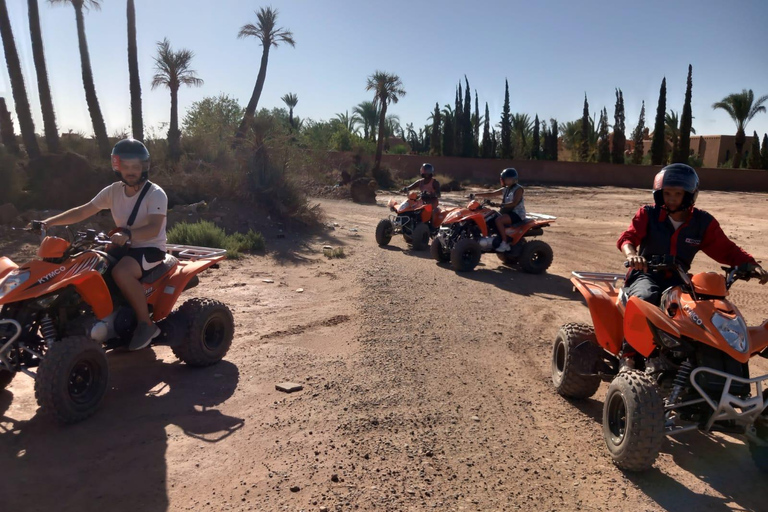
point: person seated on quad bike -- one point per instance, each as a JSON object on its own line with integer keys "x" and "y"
{"x": 429, "y": 187}
{"x": 141, "y": 243}
{"x": 672, "y": 226}
{"x": 512, "y": 204}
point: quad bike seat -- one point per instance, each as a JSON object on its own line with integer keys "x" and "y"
{"x": 168, "y": 263}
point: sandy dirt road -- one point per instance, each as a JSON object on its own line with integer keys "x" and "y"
{"x": 424, "y": 389}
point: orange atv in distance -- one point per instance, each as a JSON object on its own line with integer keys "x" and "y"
{"x": 412, "y": 218}
{"x": 690, "y": 371}
{"x": 466, "y": 233}
{"x": 61, "y": 311}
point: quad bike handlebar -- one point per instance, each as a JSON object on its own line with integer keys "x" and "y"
{"x": 743, "y": 272}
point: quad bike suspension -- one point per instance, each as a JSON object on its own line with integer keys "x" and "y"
{"x": 680, "y": 382}
{"x": 48, "y": 330}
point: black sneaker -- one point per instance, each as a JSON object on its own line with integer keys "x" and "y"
{"x": 143, "y": 336}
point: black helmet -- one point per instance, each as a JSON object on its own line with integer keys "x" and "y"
{"x": 427, "y": 169}
{"x": 677, "y": 175}
{"x": 509, "y": 172}
{"x": 130, "y": 149}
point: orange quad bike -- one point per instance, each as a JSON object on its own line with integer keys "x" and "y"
{"x": 687, "y": 369}
{"x": 466, "y": 233}
{"x": 412, "y": 218}
{"x": 62, "y": 311}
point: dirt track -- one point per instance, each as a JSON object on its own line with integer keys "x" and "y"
{"x": 423, "y": 389}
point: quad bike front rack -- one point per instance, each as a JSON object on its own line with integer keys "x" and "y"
{"x": 5, "y": 364}
{"x": 193, "y": 253}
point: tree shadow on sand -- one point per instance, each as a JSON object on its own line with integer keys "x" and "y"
{"x": 513, "y": 280}
{"x": 723, "y": 463}
{"x": 116, "y": 460}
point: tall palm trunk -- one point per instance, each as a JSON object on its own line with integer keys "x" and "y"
{"x": 290, "y": 117}
{"x": 174, "y": 135}
{"x": 20, "y": 99}
{"x": 99, "y": 128}
{"x": 43, "y": 88}
{"x": 741, "y": 138}
{"x": 382, "y": 131}
{"x": 7, "y": 136}
{"x": 250, "y": 110}
{"x": 137, "y": 121}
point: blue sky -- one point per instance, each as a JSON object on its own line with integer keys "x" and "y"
{"x": 551, "y": 53}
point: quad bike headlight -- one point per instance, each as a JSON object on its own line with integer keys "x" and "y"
{"x": 13, "y": 281}
{"x": 734, "y": 330}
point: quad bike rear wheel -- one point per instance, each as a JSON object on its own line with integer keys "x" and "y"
{"x": 567, "y": 381}
{"x": 210, "y": 332}
{"x": 536, "y": 257}
{"x": 633, "y": 421}
{"x": 384, "y": 230}
{"x": 420, "y": 237}
{"x": 465, "y": 255}
{"x": 5, "y": 378}
{"x": 438, "y": 252}
{"x": 72, "y": 379}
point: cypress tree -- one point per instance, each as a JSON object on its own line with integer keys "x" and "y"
{"x": 659, "y": 143}
{"x": 755, "y": 160}
{"x": 619, "y": 137}
{"x": 458, "y": 122}
{"x": 434, "y": 137}
{"x": 487, "y": 144}
{"x": 604, "y": 143}
{"x": 584, "y": 148}
{"x": 494, "y": 143}
{"x": 764, "y": 152}
{"x": 686, "y": 121}
{"x": 544, "y": 141}
{"x": 506, "y": 125}
{"x": 476, "y": 127}
{"x": 467, "y": 141}
{"x": 553, "y": 140}
{"x": 448, "y": 136}
{"x": 637, "y": 137}
{"x": 536, "y": 141}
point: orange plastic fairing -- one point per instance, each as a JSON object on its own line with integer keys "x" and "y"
{"x": 710, "y": 283}
{"x": 175, "y": 284}
{"x": 6, "y": 265}
{"x": 606, "y": 317}
{"x": 636, "y": 329}
{"x": 758, "y": 338}
{"x": 473, "y": 205}
{"x": 52, "y": 247}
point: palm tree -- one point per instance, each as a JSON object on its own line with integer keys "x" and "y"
{"x": 522, "y": 126}
{"x": 349, "y": 122}
{"x": 137, "y": 121}
{"x": 266, "y": 32}
{"x": 672, "y": 130}
{"x": 742, "y": 107}
{"x": 43, "y": 88}
{"x": 369, "y": 116}
{"x": 387, "y": 89}
{"x": 18, "y": 88}
{"x": 97, "y": 119}
{"x": 291, "y": 100}
{"x": 173, "y": 71}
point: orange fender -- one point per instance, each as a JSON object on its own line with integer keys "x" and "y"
{"x": 6, "y": 266}
{"x": 636, "y": 329}
{"x": 172, "y": 287}
{"x": 606, "y": 317}
{"x": 758, "y": 338}
{"x": 90, "y": 285}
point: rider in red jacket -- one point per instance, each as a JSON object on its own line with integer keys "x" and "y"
{"x": 674, "y": 227}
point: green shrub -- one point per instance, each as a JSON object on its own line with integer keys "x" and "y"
{"x": 208, "y": 234}
{"x": 400, "y": 149}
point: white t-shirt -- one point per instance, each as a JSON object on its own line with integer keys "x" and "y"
{"x": 676, "y": 223}
{"x": 155, "y": 203}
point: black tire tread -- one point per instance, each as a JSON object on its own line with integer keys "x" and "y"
{"x": 5, "y": 378}
{"x": 381, "y": 228}
{"x": 528, "y": 249}
{"x": 572, "y": 385}
{"x": 47, "y": 392}
{"x": 437, "y": 252}
{"x": 457, "y": 262}
{"x": 418, "y": 238}
{"x": 645, "y": 427}
{"x": 197, "y": 310}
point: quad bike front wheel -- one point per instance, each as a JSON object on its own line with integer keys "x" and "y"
{"x": 72, "y": 379}
{"x": 384, "y": 230}
{"x": 565, "y": 353}
{"x": 211, "y": 328}
{"x": 760, "y": 453}
{"x": 438, "y": 252}
{"x": 465, "y": 255}
{"x": 5, "y": 378}
{"x": 420, "y": 237}
{"x": 536, "y": 257}
{"x": 633, "y": 421}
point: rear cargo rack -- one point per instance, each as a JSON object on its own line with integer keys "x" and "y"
{"x": 598, "y": 276}
{"x": 193, "y": 253}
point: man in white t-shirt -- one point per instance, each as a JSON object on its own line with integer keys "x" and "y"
{"x": 130, "y": 161}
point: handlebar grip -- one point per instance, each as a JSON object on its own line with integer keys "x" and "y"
{"x": 626, "y": 264}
